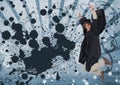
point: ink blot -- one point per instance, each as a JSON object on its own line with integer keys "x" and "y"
{"x": 33, "y": 21}
{"x": 43, "y": 12}
{"x": 11, "y": 19}
{"x": 6, "y": 22}
{"x": 6, "y": 35}
{"x": 14, "y": 59}
{"x": 50, "y": 11}
{"x": 59, "y": 27}
{"x": 33, "y": 34}
{"x": 24, "y": 76}
{"x": 56, "y": 19}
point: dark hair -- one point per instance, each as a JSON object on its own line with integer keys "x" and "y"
{"x": 82, "y": 22}
{"x": 84, "y": 31}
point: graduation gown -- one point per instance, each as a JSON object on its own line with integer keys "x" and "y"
{"x": 90, "y": 47}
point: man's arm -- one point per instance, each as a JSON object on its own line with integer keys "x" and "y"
{"x": 94, "y": 19}
{"x": 93, "y": 12}
{"x": 79, "y": 15}
{"x": 99, "y": 21}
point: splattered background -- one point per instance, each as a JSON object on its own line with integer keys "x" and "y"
{"x": 40, "y": 42}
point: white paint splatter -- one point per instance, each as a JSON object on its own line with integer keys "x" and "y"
{"x": 73, "y": 80}
{"x": 116, "y": 68}
{"x": 85, "y": 81}
{"x": 44, "y": 82}
{"x": 119, "y": 62}
{"x": 116, "y": 80}
{"x": 94, "y": 77}
{"x": 109, "y": 73}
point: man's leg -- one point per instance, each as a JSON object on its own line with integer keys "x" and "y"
{"x": 97, "y": 65}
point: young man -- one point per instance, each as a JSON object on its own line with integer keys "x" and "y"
{"x": 90, "y": 48}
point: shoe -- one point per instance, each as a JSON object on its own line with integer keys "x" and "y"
{"x": 107, "y": 61}
{"x": 102, "y": 75}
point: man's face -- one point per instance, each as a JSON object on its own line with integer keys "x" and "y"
{"x": 87, "y": 26}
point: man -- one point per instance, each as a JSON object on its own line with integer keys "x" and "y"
{"x": 90, "y": 48}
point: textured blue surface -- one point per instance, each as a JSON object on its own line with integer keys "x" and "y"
{"x": 38, "y": 15}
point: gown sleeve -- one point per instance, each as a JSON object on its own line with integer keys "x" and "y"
{"x": 98, "y": 24}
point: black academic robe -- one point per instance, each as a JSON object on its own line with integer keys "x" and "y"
{"x": 90, "y": 47}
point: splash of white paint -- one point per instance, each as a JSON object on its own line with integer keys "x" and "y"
{"x": 119, "y": 62}
{"x": 109, "y": 73}
{"x": 116, "y": 80}
{"x": 94, "y": 77}
{"x": 44, "y": 82}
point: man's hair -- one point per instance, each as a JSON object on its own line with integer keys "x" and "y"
{"x": 84, "y": 20}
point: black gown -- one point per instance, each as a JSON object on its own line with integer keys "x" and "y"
{"x": 90, "y": 47}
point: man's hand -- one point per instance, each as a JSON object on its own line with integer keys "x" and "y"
{"x": 92, "y": 8}
{"x": 79, "y": 15}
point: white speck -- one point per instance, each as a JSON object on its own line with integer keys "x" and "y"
{"x": 116, "y": 68}
{"x": 86, "y": 83}
{"x": 118, "y": 62}
{"x": 94, "y": 77}
{"x": 116, "y": 80}
{"x": 111, "y": 5}
{"x": 109, "y": 73}
{"x": 84, "y": 80}
{"x": 52, "y": 80}
{"x": 44, "y": 82}
{"x": 96, "y": 84}
{"x": 104, "y": 40}
{"x": 73, "y": 80}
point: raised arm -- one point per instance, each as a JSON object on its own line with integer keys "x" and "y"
{"x": 81, "y": 18}
{"x": 94, "y": 14}
{"x": 98, "y": 18}
{"x": 79, "y": 15}
{"x": 101, "y": 20}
